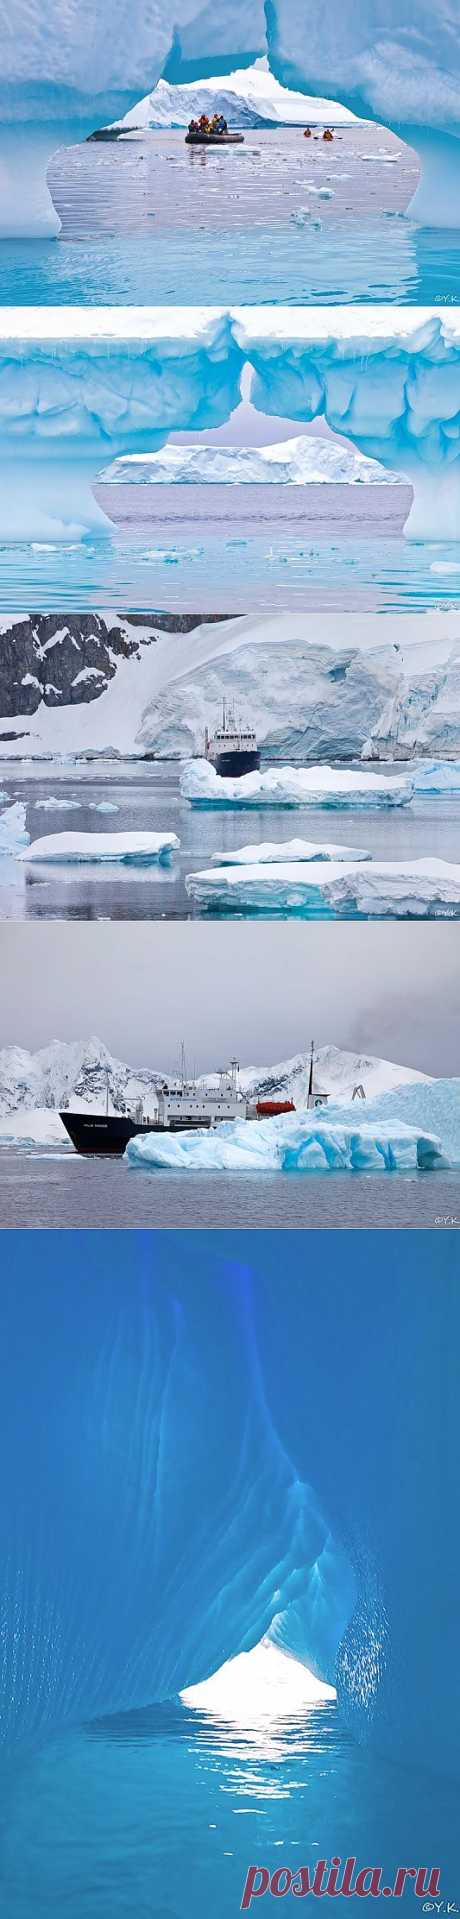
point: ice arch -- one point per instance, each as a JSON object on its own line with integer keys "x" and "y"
{"x": 77, "y": 384}
{"x": 67, "y": 69}
{"x": 195, "y": 1453}
{"x": 80, "y": 386}
{"x": 388, "y": 378}
{"x": 387, "y": 62}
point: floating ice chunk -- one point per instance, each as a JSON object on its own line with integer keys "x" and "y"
{"x": 287, "y": 850}
{"x": 138, "y": 849}
{"x": 418, "y": 889}
{"x": 13, "y": 833}
{"x": 55, "y": 805}
{"x": 250, "y": 97}
{"x": 436, "y": 776}
{"x": 292, "y": 786}
{"x": 301, "y": 1141}
{"x": 103, "y": 806}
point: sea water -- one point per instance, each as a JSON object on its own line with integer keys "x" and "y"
{"x": 140, "y": 218}
{"x": 148, "y": 799}
{"x": 158, "y": 1814}
{"x": 55, "y": 1188}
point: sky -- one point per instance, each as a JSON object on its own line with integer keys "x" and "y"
{"x": 257, "y": 991}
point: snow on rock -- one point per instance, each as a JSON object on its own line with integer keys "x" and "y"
{"x": 304, "y": 1142}
{"x": 250, "y": 97}
{"x": 13, "y": 833}
{"x": 139, "y": 849}
{"x": 292, "y": 786}
{"x": 35, "y": 1127}
{"x": 299, "y": 462}
{"x": 270, "y": 850}
{"x": 410, "y": 889}
{"x": 387, "y": 377}
{"x": 78, "y": 1073}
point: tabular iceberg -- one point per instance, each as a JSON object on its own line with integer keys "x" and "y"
{"x": 251, "y": 97}
{"x": 409, "y": 889}
{"x": 271, "y": 850}
{"x": 292, "y": 786}
{"x": 306, "y": 460}
{"x": 137, "y": 849}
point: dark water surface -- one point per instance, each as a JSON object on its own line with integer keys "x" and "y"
{"x": 52, "y": 1188}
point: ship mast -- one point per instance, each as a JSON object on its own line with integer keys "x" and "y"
{"x": 310, "y": 1076}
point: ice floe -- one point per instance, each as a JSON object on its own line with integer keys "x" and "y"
{"x": 271, "y": 850}
{"x": 102, "y": 848}
{"x": 293, "y": 786}
{"x": 410, "y": 889}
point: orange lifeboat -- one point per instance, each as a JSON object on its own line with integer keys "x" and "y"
{"x": 271, "y": 1108}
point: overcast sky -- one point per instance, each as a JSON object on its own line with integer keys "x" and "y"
{"x": 247, "y": 427}
{"x": 259, "y": 991}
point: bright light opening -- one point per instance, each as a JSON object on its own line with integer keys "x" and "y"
{"x": 263, "y": 1684}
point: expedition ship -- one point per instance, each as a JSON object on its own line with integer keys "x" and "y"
{"x": 233, "y": 748}
{"x": 182, "y": 1106}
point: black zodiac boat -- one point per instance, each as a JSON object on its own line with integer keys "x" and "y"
{"x": 214, "y": 139}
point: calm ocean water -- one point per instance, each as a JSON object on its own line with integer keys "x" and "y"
{"x": 158, "y": 1814}
{"x": 53, "y": 1189}
{"x": 148, "y": 800}
{"x": 140, "y": 219}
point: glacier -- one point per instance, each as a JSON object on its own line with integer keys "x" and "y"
{"x": 80, "y": 386}
{"x": 293, "y": 786}
{"x": 405, "y": 889}
{"x": 132, "y": 849}
{"x": 211, "y": 1455}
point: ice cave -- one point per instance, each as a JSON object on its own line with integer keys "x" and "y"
{"x": 67, "y": 72}
{"x": 210, "y": 1456}
{"x": 80, "y": 389}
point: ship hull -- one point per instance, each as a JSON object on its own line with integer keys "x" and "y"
{"x": 108, "y": 1134}
{"x": 233, "y": 765}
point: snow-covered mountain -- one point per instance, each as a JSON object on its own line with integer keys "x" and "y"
{"x": 249, "y": 97}
{"x": 305, "y": 460}
{"x": 33, "y": 1086}
{"x": 314, "y": 690}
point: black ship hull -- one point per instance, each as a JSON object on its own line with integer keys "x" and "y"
{"x": 108, "y": 1134}
{"x": 233, "y": 765}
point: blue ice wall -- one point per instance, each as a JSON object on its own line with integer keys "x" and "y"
{"x": 208, "y": 1436}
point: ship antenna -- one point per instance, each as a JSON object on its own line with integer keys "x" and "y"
{"x": 310, "y": 1079}
{"x": 107, "y": 1070}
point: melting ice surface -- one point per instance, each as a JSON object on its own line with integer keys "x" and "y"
{"x": 130, "y": 848}
{"x": 293, "y": 786}
{"x": 425, "y": 888}
{"x": 210, "y": 1458}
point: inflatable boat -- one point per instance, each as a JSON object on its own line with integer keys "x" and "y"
{"x": 214, "y": 139}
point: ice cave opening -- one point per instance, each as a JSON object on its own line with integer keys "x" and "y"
{"x": 265, "y": 1684}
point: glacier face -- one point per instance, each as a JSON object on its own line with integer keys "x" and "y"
{"x": 210, "y": 1456}
{"x": 293, "y": 786}
{"x": 409, "y": 889}
{"x": 77, "y": 390}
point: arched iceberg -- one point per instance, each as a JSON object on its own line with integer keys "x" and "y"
{"x": 196, "y": 1453}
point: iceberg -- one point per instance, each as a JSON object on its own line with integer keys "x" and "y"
{"x": 390, "y": 382}
{"x": 293, "y": 786}
{"x": 53, "y": 804}
{"x": 306, "y": 460}
{"x": 271, "y": 850}
{"x": 76, "y": 382}
{"x": 250, "y": 97}
{"x": 13, "y": 832}
{"x": 207, "y": 1505}
{"x": 301, "y": 1142}
{"x": 437, "y": 776}
{"x": 133, "y": 849}
{"x": 409, "y": 889}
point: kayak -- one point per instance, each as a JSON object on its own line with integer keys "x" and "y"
{"x": 213, "y": 139}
